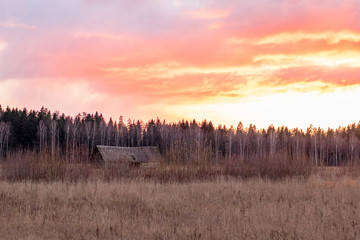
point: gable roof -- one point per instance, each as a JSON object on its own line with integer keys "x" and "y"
{"x": 129, "y": 154}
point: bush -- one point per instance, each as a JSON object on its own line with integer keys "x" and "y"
{"x": 31, "y": 166}
{"x": 276, "y": 167}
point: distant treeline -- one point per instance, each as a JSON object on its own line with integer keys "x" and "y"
{"x": 75, "y": 138}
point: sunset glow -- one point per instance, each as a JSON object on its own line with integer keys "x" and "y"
{"x": 288, "y": 62}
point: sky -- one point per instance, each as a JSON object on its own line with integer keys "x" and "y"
{"x": 280, "y": 62}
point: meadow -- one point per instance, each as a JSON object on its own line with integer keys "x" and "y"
{"x": 324, "y": 205}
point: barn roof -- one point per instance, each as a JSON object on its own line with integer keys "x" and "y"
{"x": 129, "y": 154}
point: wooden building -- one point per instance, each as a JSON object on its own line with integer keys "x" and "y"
{"x": 127, "y": 156}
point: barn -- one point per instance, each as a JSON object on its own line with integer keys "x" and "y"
{"x": 128, "y": 156}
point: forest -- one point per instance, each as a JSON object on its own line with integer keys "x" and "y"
{"x": 74, "y": 138}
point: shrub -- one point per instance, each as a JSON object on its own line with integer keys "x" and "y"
{"x": 276, "y": 167}
{"x": 29, "y": 165}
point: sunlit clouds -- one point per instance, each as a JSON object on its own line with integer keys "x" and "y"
{"x": 2, "y": 46}
{"x": 293, "y": 106}
{"x": 296, "y": 37}
{"x": 289, "y": 63}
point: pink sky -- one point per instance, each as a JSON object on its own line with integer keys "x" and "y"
{"x": 266, "y": 62}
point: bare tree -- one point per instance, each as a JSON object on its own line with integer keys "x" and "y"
{"x": 68, "y": 125}
{"x": 241, "y": 139}
{"x": 297, "y": 143}
{"x": 116, "y": 134}
{"x": 353, "y": 148}
{"x": 53, "y": 130}
{"x": 109, "y": 132}
{"x": 42, "y": 129}
{"x": 4, "y": 137}
{"x": 272, "y": 140}
{"x": 138, "y": 130}
{"x": 75, "y": 130}
{"x": 87, "y": 128}
{"x": 337, "y": 144}
{"x": 102, "y": 128}
{"x": 230, "y": 141}
{"x": 314, "y": 145}
{"x": 93, "y": 134}
{"x": 259, "y": 144}
{"x": 121, "y": 132}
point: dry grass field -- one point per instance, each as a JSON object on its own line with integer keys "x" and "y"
{"x": 315, "y": 208}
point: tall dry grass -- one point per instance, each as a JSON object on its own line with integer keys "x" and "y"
{"x": 276, "y": 167}
{"x": 253, "y": 209}
{"x": 31, "y": 166}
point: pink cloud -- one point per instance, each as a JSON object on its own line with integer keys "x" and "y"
{"x": 207, "y": 14}
{"x": 17, "y": 25}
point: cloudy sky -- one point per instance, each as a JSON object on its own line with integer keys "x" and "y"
{"x": 281, "y": 62}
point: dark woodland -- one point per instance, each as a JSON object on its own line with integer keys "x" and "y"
{"x": 74, "y": 138}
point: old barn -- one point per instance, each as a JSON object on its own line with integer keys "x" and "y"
{"x": 127, "y": 156}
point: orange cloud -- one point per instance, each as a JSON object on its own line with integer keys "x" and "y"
{"x": 345, "y": 76}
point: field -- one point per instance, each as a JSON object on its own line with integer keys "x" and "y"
{"x": 319, "y": 207}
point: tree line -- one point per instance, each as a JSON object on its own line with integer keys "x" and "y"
{"x": 75, "y": 138}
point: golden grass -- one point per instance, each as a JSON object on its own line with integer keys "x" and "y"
{"x": 31, "y": 166}
{"x": 233, "y": 209}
